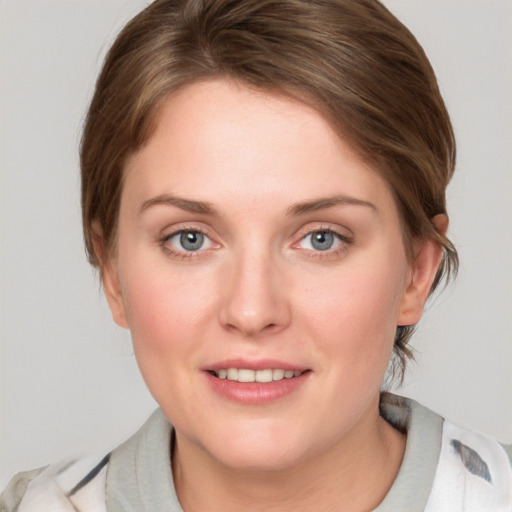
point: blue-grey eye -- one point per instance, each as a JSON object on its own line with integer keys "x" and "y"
{"x": 189, "y": 241}
{"x": 322, "y": 240}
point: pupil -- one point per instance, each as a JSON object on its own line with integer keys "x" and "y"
{"x": 191, "y": 241}
{"x": 322, "y": 240}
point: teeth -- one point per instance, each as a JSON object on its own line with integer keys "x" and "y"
{"x": 264, "y": 376}
{"x": 277, "y": 374}
{"x": 244, "y": 375}
{"x": 232, "y": 374}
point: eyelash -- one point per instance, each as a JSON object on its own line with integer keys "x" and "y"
{"x": 185, "y": 255}
{"x": 344, "y": 242}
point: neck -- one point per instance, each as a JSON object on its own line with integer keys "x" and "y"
{"x": 355, "y": 474}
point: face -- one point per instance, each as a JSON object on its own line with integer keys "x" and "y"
{"x": 262, "y": 274}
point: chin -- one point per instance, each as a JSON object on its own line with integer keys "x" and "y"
{"x": 254, "y": 459}
{"x": 259, "y": 448}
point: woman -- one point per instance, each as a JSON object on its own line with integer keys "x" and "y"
{"x": 263, "y": 192}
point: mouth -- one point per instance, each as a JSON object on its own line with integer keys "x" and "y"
{"x": 256, "y": 382}
{"x": 261, "y": 376}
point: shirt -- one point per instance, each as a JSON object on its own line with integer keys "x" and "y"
{"x": 445, "y": 469}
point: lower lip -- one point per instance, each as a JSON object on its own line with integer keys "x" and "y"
{"x": 256, "y": 393}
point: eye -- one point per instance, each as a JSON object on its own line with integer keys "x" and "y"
{"x": 189, "y": 241}
{"x": 322, "y": 240}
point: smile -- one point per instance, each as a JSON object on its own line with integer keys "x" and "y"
{"x": 246, "y": 375}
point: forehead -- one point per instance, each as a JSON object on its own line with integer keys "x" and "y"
{"x": 219, "y": 138}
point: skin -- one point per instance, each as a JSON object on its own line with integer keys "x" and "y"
{"x": 259, "y": 289}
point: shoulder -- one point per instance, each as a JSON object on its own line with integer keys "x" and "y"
{"x": 446, "y": 468}
{"x": 125, "y": 479}
{"x": 474, "y": 473}
{"x": 76, "y": 485}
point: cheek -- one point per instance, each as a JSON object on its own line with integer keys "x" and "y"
{"x": 166, "y": 315}
{"x": 166, "y": 310}
{"x": 354, "y": 311}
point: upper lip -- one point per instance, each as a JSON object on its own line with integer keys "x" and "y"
{"x": 260, "y": 364}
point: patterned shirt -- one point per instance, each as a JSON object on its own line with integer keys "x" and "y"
{"x": 445, "y": 469}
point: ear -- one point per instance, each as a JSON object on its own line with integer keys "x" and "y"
{"x": 427, "y": 258}
{"x": 109, "y": 278}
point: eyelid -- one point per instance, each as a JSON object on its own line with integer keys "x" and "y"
{"x": 337, "y": 241}
{"x": 179, "y": 227}
{"x": 170, "y": 232}
{"x": 178, "y": 234}
{"x": 342, "y": 234}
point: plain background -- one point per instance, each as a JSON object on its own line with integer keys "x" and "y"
{"x": 68, "y": 379}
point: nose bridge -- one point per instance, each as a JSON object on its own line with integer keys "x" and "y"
{"x": 254, "y": 300}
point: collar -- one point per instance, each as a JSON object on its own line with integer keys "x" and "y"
{"x": 139, "y": 477}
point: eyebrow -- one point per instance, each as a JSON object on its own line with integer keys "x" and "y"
{"x": 205, "y": 208}
{"x": 187, "y": 205}
{"x": 328, "y": 202}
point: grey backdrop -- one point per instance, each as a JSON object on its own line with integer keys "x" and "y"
{"x": 68, "y": 380}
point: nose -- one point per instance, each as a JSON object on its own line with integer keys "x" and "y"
{"x": 254, "y": 301}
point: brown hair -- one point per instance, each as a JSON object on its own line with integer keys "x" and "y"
{"x": 350, "y": 59}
